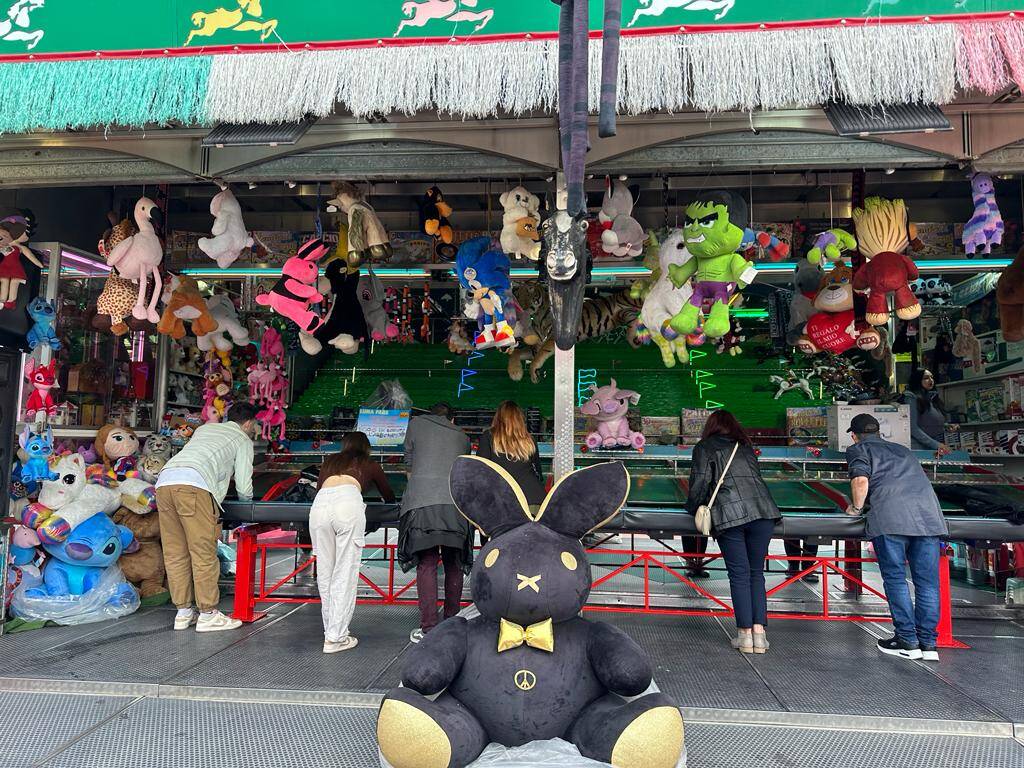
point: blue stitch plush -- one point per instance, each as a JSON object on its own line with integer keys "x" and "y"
{"x": 44, "y": 315}
{"x": 38, "y": 448}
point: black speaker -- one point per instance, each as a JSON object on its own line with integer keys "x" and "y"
{"x": 10, "y": 374}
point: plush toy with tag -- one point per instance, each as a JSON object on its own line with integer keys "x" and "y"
{"x": 834, "y": 327}
{"x": 530, "y": 667}
{"x": 883, "y": 234}
{"x": 714, "y": 231}
{"x": 44, "y": 316}
{"x": 230, "y": 237}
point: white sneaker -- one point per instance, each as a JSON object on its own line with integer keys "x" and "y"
{"x": 416, "y": 635}
{"x": 345, "y": 644}
{"x": 215, "y": 621}
{"x": 184, "y": 619}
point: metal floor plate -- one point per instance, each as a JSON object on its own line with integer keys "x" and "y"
{"x": 168, "y": 733}
{"x": 992, "y": 672}
{"x": 35, "y": 724}
{"x": 729, "y": 746}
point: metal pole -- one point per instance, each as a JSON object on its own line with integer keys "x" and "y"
{"x": 163, "y": 362}
{"x": 565, "y": 413}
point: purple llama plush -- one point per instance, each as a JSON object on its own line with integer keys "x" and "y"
{"x": 985, "y": 228}
{"x": 610, "y": 408}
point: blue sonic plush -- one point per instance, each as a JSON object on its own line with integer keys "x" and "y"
{"x": 38, "y": 448}
{"x": 44, "y": 315}
{"x": 77, "y": 564}
{"x": 483, "y": 270}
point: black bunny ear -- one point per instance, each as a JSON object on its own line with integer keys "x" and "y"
{"x": 487, "y": 495}
{"x": 586, "y": 499}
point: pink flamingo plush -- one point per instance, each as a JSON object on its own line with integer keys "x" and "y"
{"x": 139, "y": 256}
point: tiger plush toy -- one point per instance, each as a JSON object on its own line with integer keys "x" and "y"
{"x": 601, "y": 315}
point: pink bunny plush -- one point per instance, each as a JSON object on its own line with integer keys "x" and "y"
{"x": 296, "y": 290}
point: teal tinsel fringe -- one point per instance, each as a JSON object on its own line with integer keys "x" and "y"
{"x": 57, "y": 95}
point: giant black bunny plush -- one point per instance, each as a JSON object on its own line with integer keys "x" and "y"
{"x": 529, "y": 667}
{"x": 344, "y": 325}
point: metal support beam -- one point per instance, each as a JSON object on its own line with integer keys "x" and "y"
{"x": 565, "y": 413}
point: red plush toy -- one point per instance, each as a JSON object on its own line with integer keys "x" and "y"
{"x": 883, "y": 235}
{"x": 834, "y": 328}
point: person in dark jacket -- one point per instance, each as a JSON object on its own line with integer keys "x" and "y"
{"x": 431, "y": 529}
{"x": 742, "y": 520}
{"x": 509, "y": 445}
{"x": 927, "y": 413}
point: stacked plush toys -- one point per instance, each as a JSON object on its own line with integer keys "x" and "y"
{"x": 268, "y": 386}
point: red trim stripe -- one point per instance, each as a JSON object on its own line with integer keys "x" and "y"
{"x": 391, "y": 42}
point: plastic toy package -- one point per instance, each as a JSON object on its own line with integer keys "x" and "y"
{"x": 107, "y": 600}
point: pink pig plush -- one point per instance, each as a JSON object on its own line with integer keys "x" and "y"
{"x": 610, "y": 409}
{"x": 296, "y": 290}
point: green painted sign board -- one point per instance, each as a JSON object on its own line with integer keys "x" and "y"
{"x": 42, "y": 28}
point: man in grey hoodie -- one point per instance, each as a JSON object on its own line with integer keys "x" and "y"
{"x": 431, "y": 529}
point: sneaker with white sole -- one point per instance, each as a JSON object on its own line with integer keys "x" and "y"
{"x": 929, "y": 653}
{"x": 184, "y": 620}
{"x": 215, "y": 621}
{"x": 893, "y": 646}
{"x": 416, "y": 635}
{"x": 345, "y": 644}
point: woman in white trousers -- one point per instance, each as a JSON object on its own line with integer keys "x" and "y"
{"x": 337, "y": 526}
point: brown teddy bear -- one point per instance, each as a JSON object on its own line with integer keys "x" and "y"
{"x": 1010, "y": 295}
{"x": 144, "y": 567}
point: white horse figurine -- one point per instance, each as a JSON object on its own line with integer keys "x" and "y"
{"x": 790, "y": 382}
{"x": 664, "y": 301}
{"x": 139, "y": 256}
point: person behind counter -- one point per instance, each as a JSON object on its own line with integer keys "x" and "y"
{"x": 509, "y": 445}
{"x": 904, "y": 523}
{"x": 189, "y": 492}
{"x": 431, "y": 529}
{"x": 742, "y": 520}
{"x": 927, "y": 413}
{"x": 337, "y": 526}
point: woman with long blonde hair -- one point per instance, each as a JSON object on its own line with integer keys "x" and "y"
{"x": 509, "y": 445}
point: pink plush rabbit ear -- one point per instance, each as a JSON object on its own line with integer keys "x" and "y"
{"x": 313, "y": 250}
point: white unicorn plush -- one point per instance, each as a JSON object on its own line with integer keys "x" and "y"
{"x": 230, "y": 237}
{"x": 222, "y": 309}
{"x": 664, "y": 301}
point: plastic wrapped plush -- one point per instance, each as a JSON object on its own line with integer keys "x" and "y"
{"x": 389, "y": 394}
{"x": 534, "y": 754}
{"x": 111, "y": 598}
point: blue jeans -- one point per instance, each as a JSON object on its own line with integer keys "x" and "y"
{"x": 744, "y": 549}
{"x": 914, "y": 625}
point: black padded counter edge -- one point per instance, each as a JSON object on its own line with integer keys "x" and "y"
{"x": 660, "y": 522}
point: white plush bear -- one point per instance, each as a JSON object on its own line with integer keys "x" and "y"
{"x": 520, "y": 231}
{"x": 623, "y": 236}
{"x": 223, "y": 311}
{"x": 230, "y": 237}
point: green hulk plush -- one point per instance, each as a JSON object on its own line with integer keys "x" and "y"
{"x": 713, "y": 229}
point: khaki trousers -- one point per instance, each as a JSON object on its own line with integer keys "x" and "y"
{"x": 189, "y": 530}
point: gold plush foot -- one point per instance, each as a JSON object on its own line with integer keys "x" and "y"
{"x": 410, "y": 738}
{"x": 653, "y": 740}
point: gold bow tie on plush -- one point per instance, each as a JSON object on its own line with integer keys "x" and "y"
{"x": 540, "y": 635}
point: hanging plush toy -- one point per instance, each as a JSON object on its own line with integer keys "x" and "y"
{"x": 807, "y": 279}
{"x": 295, "y": 291}
{"x": 38, "y": 448}
{"x": 434, "y": 213}
{"x": 520, "y": 222}
{"x": 14, "y": 236}
{"x": 118, "y": 231}
{"x": 230, "y": 237}
{"x": 529, "y": 667}
{"x": 664, "y": 300}
{"x": 118, "y": 448}
{"x": 833, "y": 327}
{"x": 183, "y": 303}
{"x": 967, "y": 347}
{"x": 114, "y": 305}
{"x": 367, "y": 238}
{"x": 755, "y": 240}
{"x": 622, "y": 235}
{"x": 985, "y": 228}
{"x": 139, "y": 256}
{"x": 730, "y": 343}
{"x": 371, "y": 299}
{"x": 609, "y": 407}
{"x": 1010, "y": 297}
{"x": 484, "y": 272}
{"x": 228, "y": 331}
{"x": 344, "y": 326}
{"x": 44, "y": 316}
{"x": 831, "y": 246}
{"x": 43, "y": 378}
{"x": 883, "y": 234}
{"x": 713, "y": 230}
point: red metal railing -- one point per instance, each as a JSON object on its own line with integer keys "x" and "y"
{"x": 251, "y": 582}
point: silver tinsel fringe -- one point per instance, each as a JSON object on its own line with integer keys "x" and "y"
{"x": 875, "y": 65}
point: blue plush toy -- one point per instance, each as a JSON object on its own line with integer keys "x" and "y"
{"x": 44, "y": 314}
{"x": 77, "y": 564}
{"x": 38, "y": 447}
{"x": 484, "y": 270}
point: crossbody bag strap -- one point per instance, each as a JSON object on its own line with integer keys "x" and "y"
{"x": 721, "y": 479}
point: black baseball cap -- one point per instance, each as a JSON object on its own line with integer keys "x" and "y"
{"x": 864, "y": 424}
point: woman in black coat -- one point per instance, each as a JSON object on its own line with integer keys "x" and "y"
{"x": 742, "y": 520}
{"x": 509, "y": 445}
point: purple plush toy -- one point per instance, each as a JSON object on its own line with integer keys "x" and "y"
{"x": 985, "y": 228}
{"x": 610, "y": 408}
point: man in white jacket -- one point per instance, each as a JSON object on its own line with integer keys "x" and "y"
{"x": 189, "y": 492}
